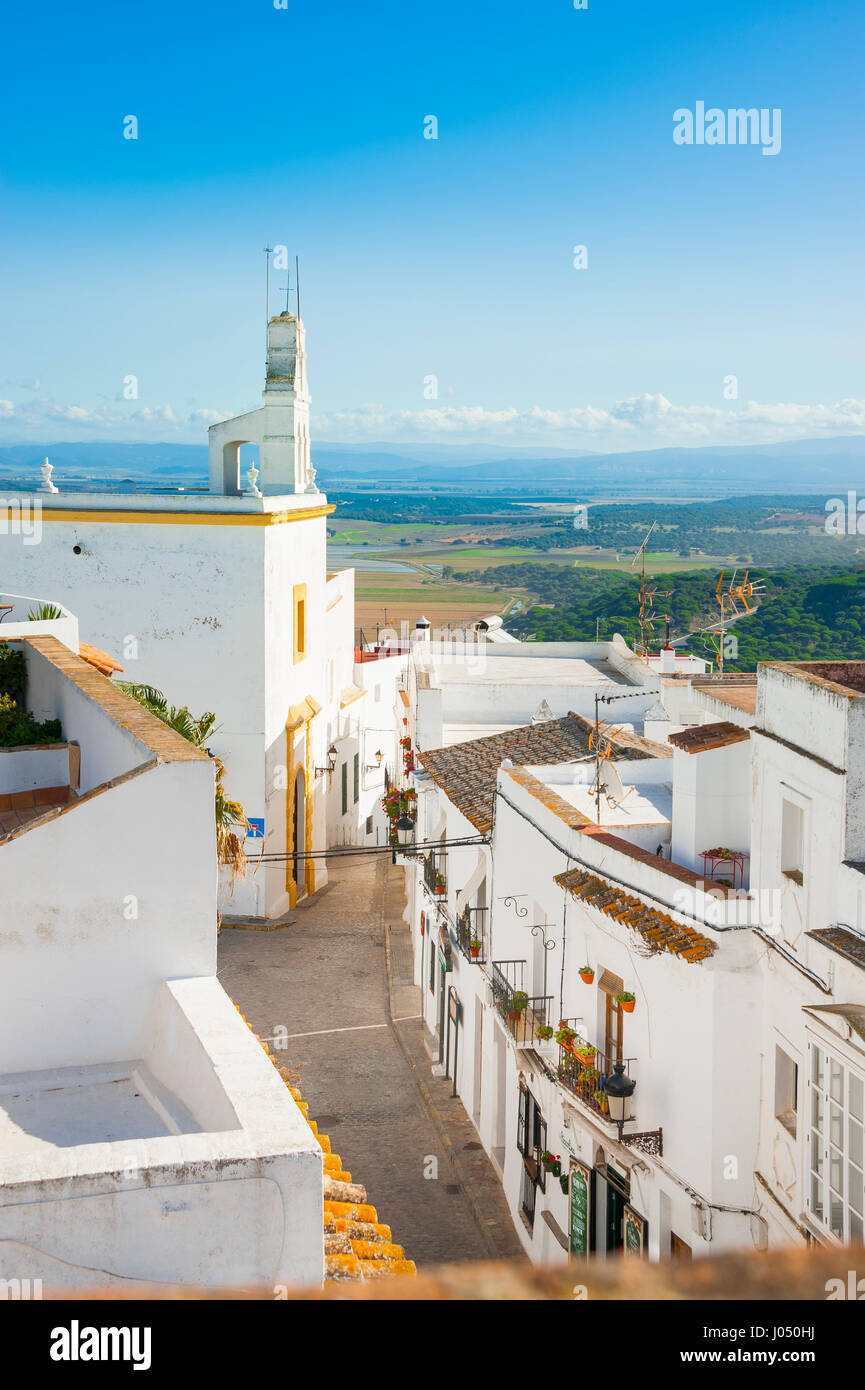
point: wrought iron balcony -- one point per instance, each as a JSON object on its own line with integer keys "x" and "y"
{"x": 434, "y": 878}
{"x": 584, "y": 1070}
{"x": 471, "y": 934}
{"x": 524, "y": 1015}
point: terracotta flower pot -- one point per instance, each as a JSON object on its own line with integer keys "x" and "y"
{"x": 627, "y": 1006}
{"x": 587, "y": 976}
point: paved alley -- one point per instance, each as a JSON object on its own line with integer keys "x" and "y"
{"x": 334, "y": 978}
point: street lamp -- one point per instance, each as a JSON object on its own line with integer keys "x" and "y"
{"x": 378, "y": 755}
{"x": 404, "y": 827}
{"x": 619, "y": 1089}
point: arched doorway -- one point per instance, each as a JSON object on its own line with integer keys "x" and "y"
{"x": 298, "y": 833}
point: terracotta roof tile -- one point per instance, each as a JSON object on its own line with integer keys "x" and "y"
{"x": 846, "y": 943}
{"x": 95, "y": 656}
{"x": 704, "y": 737}
{"x": 658, "y": 928}
{"x": 467, "y": 772}
{"x": 168, "y": 746}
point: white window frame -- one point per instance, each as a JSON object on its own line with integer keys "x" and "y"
{"x": 827, "y": 1161}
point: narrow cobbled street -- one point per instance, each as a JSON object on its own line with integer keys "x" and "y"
{"x": 334, "y": 986}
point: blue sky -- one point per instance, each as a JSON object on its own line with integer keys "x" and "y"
{"x": 450, "y": 257}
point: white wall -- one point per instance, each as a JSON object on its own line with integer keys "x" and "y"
{"x": 99, "y": 905}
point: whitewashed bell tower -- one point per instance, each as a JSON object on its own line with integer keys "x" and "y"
{"x": 280, "y": 427}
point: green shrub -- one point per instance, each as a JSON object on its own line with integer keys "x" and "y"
{"x": 13, "y": 671}
{"x": 18, "y": 728}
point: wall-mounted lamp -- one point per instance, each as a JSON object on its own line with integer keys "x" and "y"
{"x": 331, "y": 764}
{"x": 378, "y": 755}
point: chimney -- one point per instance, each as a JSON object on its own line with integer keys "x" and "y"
{"x": 422, "y": 630}
{"x": 667, "y": 665}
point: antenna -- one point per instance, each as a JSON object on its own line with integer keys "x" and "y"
{"x": 734, "y": 604}
{"x": 268, "y": 251}
{"x": 286, "y": 310}
{"x": 297, "y": 281}
{"x": 647, "y": 596}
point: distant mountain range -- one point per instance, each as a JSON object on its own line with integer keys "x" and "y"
{"x": 827, "y": 466}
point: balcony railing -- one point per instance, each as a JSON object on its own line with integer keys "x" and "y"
{"x": 471, "y": 934}
{"x": 523, "y": 1014}
{"x": 585, "y": 1070}
{"x": 434, "y": 876}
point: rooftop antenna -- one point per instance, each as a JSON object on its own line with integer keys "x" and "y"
{"x": 286, "y": 310}
{"x": 268, "y": 251}
{"x": 733, "y": 603}
{"x": 297, "y": 282}
{"x": 647, "y": 596}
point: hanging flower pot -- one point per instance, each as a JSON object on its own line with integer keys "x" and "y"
{"x": 627, "y": 1001}
{"x": 587, "y": 974}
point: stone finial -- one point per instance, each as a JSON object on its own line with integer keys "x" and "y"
{"x": 46, "y": 485}
{"x": 251, "y": 489}
{"x": 311, "y": 486}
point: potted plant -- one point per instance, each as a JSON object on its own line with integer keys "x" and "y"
{"x": 552, "y": 1163}
{"x": 475, "y": 946}
{"x": 565, "y": 1181}
{"x": 627, "y": 1002}
{"x": 584, "y": 1053}
{"x": 587, "y": 974}
{"x": 545, "y": 1031}
{"x": 588, "y": 1077}
{"x": 565, "y": 1036}
{"x": 600, "y": 1099}
{"x": 516, "y": 1004}
{"x": 440, "y": 886}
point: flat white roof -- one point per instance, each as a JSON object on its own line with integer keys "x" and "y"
{"x": 60, "y": 1108}
{"x": 483, "y": 669}
{"x": 652, "y": 805}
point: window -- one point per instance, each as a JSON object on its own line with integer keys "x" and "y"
{"x": 836, "y": 1190}
{"x": 792, "y": 841}
{"x": 786, "y": 1088}
{"x": 299, "y": 595}
{"x": 369, "y": 825}
{"x": 532, "y": 1143}
{"x": 356, "y": 778}
{"x": 344, "y": 788}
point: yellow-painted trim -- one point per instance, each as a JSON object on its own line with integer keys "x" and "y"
{"x": 300, "y": 625}
{"x": 176, "y": 519}
{"x": 299, "y": 716}
{"x": 358, "y": 695}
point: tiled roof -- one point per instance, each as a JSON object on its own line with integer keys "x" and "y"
{"x": 704, "y": 737}
{"x": 356, "y": 1244}
{"x": 18, "y": 809}
{"x": 845, "y": 942}
{"x": 95, "y": 656}
{"x": 657, "y": 928}
{"x": 466, "y": 772}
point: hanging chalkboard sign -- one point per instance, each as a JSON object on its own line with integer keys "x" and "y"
{"x": 580, "y": 1209}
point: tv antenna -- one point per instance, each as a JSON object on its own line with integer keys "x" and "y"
{"x": 735, "y": 601}
{"x": 648, "y": 617}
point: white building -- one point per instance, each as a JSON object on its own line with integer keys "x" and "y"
{"x": 221, "y": 600}
{"x": 144, "y": 1134}
{"x": 745, "y": 1033}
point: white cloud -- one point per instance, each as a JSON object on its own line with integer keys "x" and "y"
{"x": 645, "y": 421}
{"x": 640, "y": 422}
